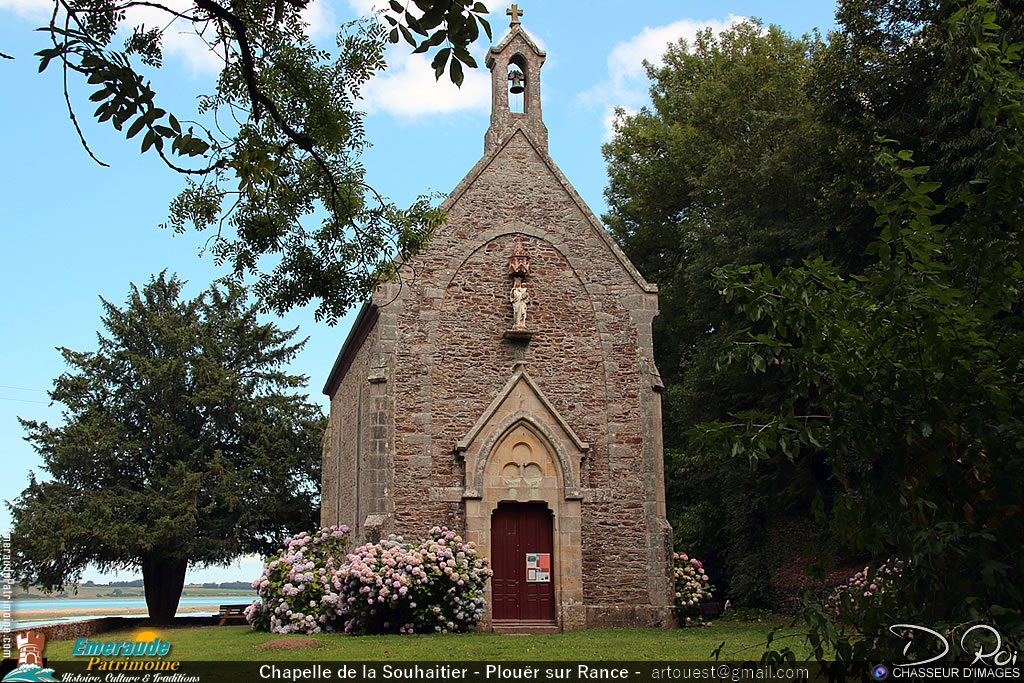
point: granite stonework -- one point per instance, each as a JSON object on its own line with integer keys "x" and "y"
{"x": 438, "y": 413}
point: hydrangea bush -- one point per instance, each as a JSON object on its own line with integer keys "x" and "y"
{"x": 298, "y": 587}
{"x": 692, "y": 588}
{"x": 435, "y": 585}
{"x": 868, "y": 588}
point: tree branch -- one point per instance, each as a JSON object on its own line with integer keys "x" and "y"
{"x": 67, "y": 97}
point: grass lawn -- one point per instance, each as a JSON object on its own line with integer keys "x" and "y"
{"x": 744, "y": 640}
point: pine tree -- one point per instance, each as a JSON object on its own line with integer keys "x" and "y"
{"x": 183, "y": 442}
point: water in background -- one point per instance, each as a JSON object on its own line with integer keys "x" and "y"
{"x": 117, "y": 603}
{"x": 70, "y": 608}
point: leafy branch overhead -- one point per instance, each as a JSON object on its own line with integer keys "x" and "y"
{"x": 277, "y": 141}
{"x": 453, "y": 25}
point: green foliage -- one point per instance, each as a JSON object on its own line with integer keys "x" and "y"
{"x": 909, "y": 376}
{"x": 763, "y": 150}
{"x": 182, "y": 442}
{"x": 722, "y": 169}
{"x": 278, "y": 140}
{"x": 894, "y": 70}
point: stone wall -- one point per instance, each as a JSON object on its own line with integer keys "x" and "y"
{"x": 86, "y": 628}
{"x": 356, "y": 463}
{"x": 79, "y": 629}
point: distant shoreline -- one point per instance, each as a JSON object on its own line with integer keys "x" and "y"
{"x": 91, "y": 593}
{"x": 62, "y": 615}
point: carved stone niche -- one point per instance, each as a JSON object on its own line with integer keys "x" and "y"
{"x": 519, "y": 261}
{"x": 519, "y": 296}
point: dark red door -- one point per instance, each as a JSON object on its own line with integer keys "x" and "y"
{"x": 523, "y": 587}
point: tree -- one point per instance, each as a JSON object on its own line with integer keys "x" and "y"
{"x": 722, "y": 168}
{"x": 910, "y": 375}
{"x": 893, "y": 71}
{"x": 277, "y": 141}
{"x": 183, "y": 442}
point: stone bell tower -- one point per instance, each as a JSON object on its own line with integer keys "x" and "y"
{"x": 517, "y": 59}
{"x": 508, "y": 390}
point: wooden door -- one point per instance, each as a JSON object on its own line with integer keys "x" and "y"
{"x": 522, "y": 544}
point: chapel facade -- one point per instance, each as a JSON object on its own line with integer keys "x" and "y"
{"x": 506, "y": 388}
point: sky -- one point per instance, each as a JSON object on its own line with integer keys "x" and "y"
{"x": 74, "y": 231}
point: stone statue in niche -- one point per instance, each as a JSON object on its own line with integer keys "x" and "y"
{"x": 519, "y": 297}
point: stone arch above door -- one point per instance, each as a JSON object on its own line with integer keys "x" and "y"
{"x": 521, "y": 468}
{"x": 521, "y": 405}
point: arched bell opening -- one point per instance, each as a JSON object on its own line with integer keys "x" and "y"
{"x": 517, "y": 85}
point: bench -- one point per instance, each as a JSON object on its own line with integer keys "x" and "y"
{"x": 231, "y": 613}
{"x": 712, "y": 609}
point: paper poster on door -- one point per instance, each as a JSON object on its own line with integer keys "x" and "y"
{"x": 538, "y": 567}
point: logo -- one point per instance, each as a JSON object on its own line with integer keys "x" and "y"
{"x": 144, "y": 654}
{"x": 30, "y": 660}
{"x": 880, "y": 672}
{"x": 987, "y": 641}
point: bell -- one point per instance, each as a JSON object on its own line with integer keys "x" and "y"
{"x": 517, "y": 82}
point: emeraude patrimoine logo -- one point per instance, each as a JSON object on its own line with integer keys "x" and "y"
{"x": 30, "y": 660}
{"x": 128, "y": 652}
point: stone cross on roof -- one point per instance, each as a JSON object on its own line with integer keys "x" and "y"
{"x": 515, "y": 13}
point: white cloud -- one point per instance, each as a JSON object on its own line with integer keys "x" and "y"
{"x": 321, "y": 20}
{"x": 408, "y": 89}
{"x": 498, "y": 9}
{"x": 627, "y": 85}
{"x": 179, "y": 38}
{"x": 30, "y": 9}
{"x": 625, "y": 63}
{"x": 365, "y": 8}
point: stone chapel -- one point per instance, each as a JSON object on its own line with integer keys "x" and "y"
{"x": 508, "y": 391}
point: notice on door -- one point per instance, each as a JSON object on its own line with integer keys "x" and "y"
{"x": 538, "y": 567}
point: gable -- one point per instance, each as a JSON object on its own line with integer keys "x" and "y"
{"x": 518, "y": 167}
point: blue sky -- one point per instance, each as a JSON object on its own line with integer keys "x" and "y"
{"x": 73, "y": 231}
